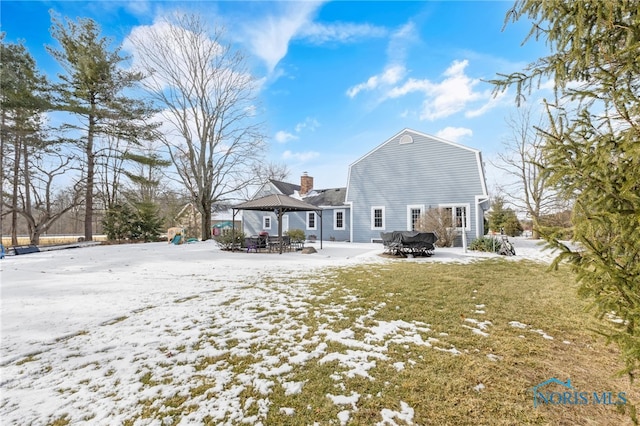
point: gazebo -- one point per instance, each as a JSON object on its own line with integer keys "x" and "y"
{"x": 279, "y": 204}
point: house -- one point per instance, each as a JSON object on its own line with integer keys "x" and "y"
{"x": 391, "y": 186}
{"x": 387, "y": 190}
{"x": 334, "y": 212}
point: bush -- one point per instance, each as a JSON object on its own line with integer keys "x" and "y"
{"x": 227, "y": 240}
{"x": 118, "y": 222}
{"x": 147, "y": 224}
{"x": 487, "y": 244}
{"x": 296, "y": 235}
{"x": 439, "y": 221}
{"x": 122, "y": 222}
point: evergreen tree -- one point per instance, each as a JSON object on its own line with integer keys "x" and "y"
{"x": 593, "y": 146}
{"x": 503, "y": 219}
{"x": 147, "y": 223}
{"x": 92, "y": 89}
{"x": 118, "y": 222}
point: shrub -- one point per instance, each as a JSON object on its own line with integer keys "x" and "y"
{"x": 227, "y": 240}
{"x": 296, "y": 235}
{"x": 487, "y": 244}
{"x": 118, "y": 221}
{"x": 122, "y": 222}
{"x": 439, "y": 221}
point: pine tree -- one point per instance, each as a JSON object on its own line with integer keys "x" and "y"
{"x": 92, "y": 89}
{"x": 593, "y": 146}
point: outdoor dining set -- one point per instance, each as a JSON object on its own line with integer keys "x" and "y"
{"x": 267, "y": 243}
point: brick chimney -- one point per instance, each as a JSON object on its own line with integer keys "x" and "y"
{"x": 306, "y": 184}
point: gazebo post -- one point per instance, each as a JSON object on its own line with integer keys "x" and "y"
{"x": 320, "y": 211}
{"x": 233, "y": 228}
{"x": 280, "y": 213}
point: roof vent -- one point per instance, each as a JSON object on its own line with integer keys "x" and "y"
{"x": 406, "y": 139}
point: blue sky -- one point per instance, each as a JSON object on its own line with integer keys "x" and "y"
{"x": 340, "y": 77}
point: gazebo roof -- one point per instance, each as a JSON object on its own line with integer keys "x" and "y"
{"x": 276, "y": 201}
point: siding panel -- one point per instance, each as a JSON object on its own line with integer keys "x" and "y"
{"x": 426, "y": 172}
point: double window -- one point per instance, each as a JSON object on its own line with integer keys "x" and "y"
{"x": 459, "y": 216}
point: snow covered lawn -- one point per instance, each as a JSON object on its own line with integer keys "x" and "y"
{"x": 163, "y": 334}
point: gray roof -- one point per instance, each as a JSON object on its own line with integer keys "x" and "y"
{"x": 327, "y": 197}
{"x": 285, "y": 187}
{"x": 276, "y": 201}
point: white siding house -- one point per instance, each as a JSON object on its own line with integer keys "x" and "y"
{"x": 387, "y": 190}
{"x": 392, "y": 185}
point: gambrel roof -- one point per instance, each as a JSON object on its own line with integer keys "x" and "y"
{"x": 408, "y": 132}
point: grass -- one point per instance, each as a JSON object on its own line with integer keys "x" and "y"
{"x": 488, "y": 382}
{"x": 441, "y": 387}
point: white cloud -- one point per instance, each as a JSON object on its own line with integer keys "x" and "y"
{"x": 493, "y": 101}
{"x": 388, "y": 77}
{"x": 138, "y": 7}
{"x": 400, "y": 41}
{"x": 300, "y": 156}
{"x": 454, "y": 134}
{"x": 340, "y": 32}
{"x": 284, "y": 137}
{"x": 309, "y": 123}
{"x": 163, "y": 47}
{"x": 269, "y": 36}
{"x": 446, "y": 97}
{"x": 395, "y": 70}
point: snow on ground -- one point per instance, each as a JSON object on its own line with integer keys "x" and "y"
{"x": 91, "y": 333}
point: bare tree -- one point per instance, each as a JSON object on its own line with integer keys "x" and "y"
{"x": 207, "y": 97}
{"x": 43, "y": 207}
{"x": 523, "y": 160}
{"x": 275, "y": 171}
{"x": 440, "y": 221}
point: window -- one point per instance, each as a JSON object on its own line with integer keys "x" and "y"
{"x": 456, "y": 213}
{"x": 338, "y": 219}
{"x": 460, "y": 213}
{"x": 311, "y": 220}
{"x": 413, "y": 215}
{"x": 266, "y": 222}
{"x": 377, "y": 218}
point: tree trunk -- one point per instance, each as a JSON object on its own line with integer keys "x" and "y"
{"x": 206, "y": 220}
{"x": 14, "y": 195}
{"x": 35, "y": 236}
{"x": 2, "y": 139}
{"x": 88, "y": 205}
{"x": 535, "y": 228}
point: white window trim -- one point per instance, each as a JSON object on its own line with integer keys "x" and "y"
{"x": 264, "y": 222}
{"x": 384, "y": 221}
{"x": 315, "y": 221}
{"x": 412, "y": 207}
{"x": 453, "y": 214}
{"x": 335, "y": 220}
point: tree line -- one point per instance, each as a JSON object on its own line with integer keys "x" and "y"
{"x": 99, "y": 139}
